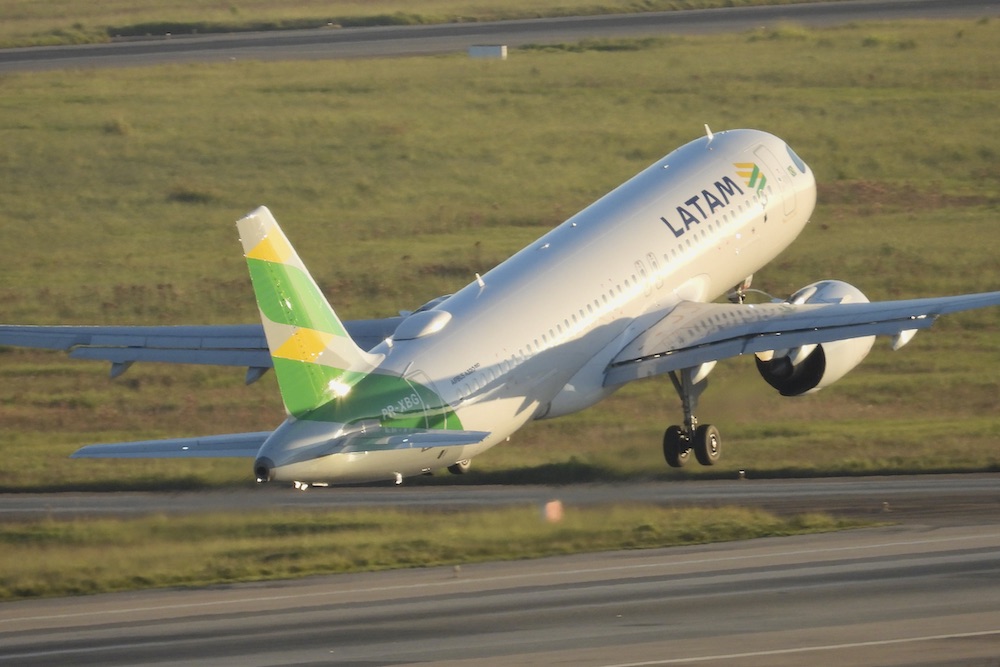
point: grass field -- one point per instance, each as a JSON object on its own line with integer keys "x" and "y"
{"x": 398, "y": 179}
{"x": 50, "y": 557}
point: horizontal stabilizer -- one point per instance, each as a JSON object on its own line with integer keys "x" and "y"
{"x": 236, "y": 445}
{"x": 382, "y": 439}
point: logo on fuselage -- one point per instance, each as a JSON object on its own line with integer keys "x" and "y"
{"x": 704, "y": 204}
{"x": 751, "y": 174}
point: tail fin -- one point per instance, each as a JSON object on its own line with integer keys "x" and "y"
{"x": 315, "y": 359}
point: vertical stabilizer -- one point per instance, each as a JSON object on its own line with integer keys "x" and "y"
{"x": 315, "y": 359}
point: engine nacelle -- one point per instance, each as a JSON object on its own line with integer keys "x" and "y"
{"x": 809, "y": 368}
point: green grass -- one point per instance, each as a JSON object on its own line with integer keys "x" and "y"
{"x": 50, "y": 557}
{"x": 399, "y": 179}
{"x": 29, "y": 22}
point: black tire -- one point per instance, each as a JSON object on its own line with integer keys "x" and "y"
{"x": 461, "y": 467}
{"x": 676, "y": 448}
{"x": 707, "y": 445}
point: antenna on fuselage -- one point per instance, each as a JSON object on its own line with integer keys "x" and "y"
{"x": 708, "y": 133}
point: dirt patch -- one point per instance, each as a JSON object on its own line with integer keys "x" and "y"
{"x": 879, "y": 196}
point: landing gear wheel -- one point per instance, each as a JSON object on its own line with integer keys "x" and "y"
{"x": 461, "y": 467}
{"x": 676, "y": 448}
{"x": 707, "y": 444}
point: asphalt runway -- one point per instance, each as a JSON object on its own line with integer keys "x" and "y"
{"x": 457, "y": 37}
{"x": 923, "y": 590}
{"x": 927, "y": 498}
{"x": 901, "y": 595}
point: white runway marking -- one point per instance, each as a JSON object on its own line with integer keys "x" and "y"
{"x": 805, "y": 649}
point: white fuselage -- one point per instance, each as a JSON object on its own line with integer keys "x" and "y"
{"x": 534, "y": 336}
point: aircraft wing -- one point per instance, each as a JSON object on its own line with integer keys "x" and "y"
{"x": 695, "y": 333}
{"x": 217, "y": 345}
{"x": 241, "y": 445}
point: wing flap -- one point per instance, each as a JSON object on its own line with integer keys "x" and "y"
{"x": 236, "y": 445}
{"x": 215, "y": 345}
{"x": 185, "y": 355}
{"x": 696, "y": 333}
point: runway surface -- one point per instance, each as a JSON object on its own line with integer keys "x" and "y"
{"x": 922, "y": 497}
{"x": 923, "y": 591}
{"x": 910, "y": 595}
{"x": 456, "y": 37}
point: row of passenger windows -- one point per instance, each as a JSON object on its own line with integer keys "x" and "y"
{"x": 606, "y": 302}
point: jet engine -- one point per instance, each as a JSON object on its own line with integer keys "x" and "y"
{"x": 809, "y": 368}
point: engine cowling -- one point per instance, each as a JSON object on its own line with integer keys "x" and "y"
{"x": 809, "y": 368}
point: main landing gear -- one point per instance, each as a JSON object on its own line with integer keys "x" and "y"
{"x": 680, "y": 441}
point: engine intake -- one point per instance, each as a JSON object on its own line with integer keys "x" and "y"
{"x": 792, "y": 379}
{"x": 809, "y": 368}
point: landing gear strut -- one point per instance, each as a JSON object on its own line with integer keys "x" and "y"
{"x": 704, "y": 440}
{"x": 680, "y": 441}
{"x": 739, "y": 293}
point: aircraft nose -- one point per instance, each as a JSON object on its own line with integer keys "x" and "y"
{"x": 262, "y": 468}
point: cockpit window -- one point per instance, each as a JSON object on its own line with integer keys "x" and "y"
{"x": 799, "y": 164}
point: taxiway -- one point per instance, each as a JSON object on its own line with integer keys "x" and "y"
{"x": 394, "y": 41}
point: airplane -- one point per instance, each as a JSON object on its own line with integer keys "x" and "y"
{"x": 625, "y": 289}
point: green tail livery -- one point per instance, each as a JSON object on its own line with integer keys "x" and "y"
{"x": 337, "y": 399}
